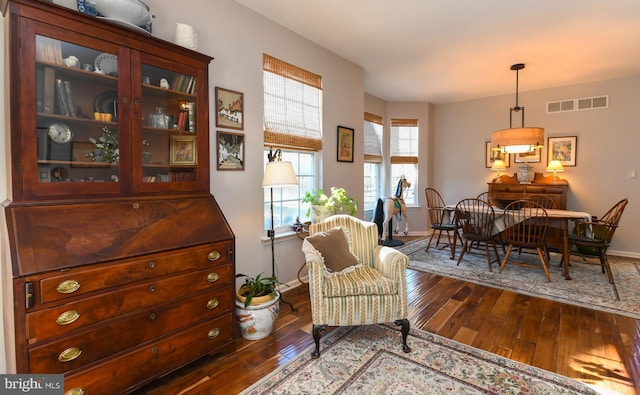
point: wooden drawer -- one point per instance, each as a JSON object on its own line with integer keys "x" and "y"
{"x": 43, "y": 324}
{"x": 85, "y": 347}
{"x": 139, "y": 366}
{"x": 543, "y": 190}
{"x": 82, "y": 280}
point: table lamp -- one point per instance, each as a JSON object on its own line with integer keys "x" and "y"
{"x": 498, "y": 166}
{"x": 555, "y": 166}
{"x": 277, "y": 174}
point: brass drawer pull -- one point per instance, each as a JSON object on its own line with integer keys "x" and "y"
{"x": 75, "y": 391}
{"x": 68, "y": 317}
{"x": 213, "y": 333}
{"x": 68, "y": 286}
{"x": 213, "y": 277}
{"x": 213, "y": 256}
{"x": 69, "y": 354}
{"x": 212, "y": 304}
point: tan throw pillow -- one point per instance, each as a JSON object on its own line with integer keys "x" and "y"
{"x": 334, "y": 248}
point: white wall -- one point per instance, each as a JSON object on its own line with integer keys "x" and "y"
{"x": 607, "y": 148}
{"x": 237, "y": 38}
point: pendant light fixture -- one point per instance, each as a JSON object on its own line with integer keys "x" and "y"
{"x": 517, "y": 140}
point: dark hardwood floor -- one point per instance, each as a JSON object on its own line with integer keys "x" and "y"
{"x": 591, "y": 346}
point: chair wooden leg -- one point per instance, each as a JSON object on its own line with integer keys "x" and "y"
{"x": 604, "y": 262}
{"x": 486, "y": 249}
{"x": 430, "y": 238}
{"x": 543, "y": 261}
{"x": 506, "y": 258}
{"x": 464, "y": 249}
{"x": 317, "y": 333}
{"x": 405, "y": 331}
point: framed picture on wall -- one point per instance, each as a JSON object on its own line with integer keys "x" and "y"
{"x": 564, "y": 149}
{"x": 492, "y": 155}
{"x": 229, "y": 109}
{"x": 528, "y": 157}
{"x": 345, "y": 144}
{"x": 230, "y": 151}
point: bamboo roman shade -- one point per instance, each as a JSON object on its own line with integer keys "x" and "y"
{"x": 404, "y": 141}
{"x": 372, "y": 138}
{"x": 292, "y": 106}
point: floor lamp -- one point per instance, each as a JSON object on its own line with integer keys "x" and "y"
{"x": 277, "y": 174}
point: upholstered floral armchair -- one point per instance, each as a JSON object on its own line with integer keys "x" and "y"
{"x": 352, "y": 279}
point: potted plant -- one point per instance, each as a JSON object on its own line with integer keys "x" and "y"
{"x": 323, "y": 206}
{"x": 317, "y": 205}
{"x": 340, "y": 203}
{"x": 257, "y": 306}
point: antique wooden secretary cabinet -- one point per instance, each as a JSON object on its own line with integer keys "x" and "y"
{"x": 122, "y": 262}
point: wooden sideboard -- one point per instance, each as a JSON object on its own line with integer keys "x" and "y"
{"x": 509, "y": 189}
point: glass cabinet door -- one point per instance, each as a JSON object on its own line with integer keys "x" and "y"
{"x": 77, "y": 130}
{"x": 167, "y": 118}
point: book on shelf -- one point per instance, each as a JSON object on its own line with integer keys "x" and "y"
{"x": 182, "y": 120}
{"x": 192, "y": 117}
{"x": 70, "y": 101}
{"x": 49, "y": 90}
{"x": 63, "y": 105}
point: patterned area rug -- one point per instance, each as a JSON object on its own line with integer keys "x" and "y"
{"x": 369, "y": 360}
{"x": 589, "y": 287}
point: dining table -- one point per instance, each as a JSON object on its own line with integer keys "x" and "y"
{"x": 557, "y": 219}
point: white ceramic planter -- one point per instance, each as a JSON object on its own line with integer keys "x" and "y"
{"x": 257, "y": 321}
{"x": 320, "y": 213}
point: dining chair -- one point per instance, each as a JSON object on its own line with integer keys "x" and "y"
{"x": 542, "y": 200}
{"x": 592, "y": 238}
{"x": 439, "y": 217}
{"x": 525, "y": 225}
{"x": 484, "y": 196}
{"x": 475, "y": 219}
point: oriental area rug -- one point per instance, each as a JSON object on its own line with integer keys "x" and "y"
{"x": 588, "y": 287}
{"x": 369, "y": 360}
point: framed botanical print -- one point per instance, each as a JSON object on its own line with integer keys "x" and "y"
{"x": 492, "y": 155}
{"x": 564, "y": 149}
{"x": 345, "y": 144}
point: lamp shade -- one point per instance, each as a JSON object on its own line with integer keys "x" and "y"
{"x": 498, "y": 165}
{"x": 555, "y": 166}
{"x": 518, "y": 140}
{"x": 279, "y": 174}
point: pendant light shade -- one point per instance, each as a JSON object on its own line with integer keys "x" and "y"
{"x": 517, "y": 140}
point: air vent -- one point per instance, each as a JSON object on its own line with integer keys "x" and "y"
{"x": 585, "y": 103}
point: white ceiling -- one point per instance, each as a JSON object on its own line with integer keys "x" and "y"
{"x": 443, "y": 51}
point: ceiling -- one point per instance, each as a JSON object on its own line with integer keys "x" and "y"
{"x": 443, "y": 51}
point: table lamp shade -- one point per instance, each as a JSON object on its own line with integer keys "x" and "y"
{"x": 555, "y": 166}
{"x": 279, "y": 174}
{"x": 498, "y": 165}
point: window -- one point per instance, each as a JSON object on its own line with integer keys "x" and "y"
{"x": 372, "y": 161}
{"x": 404, "y": 156}
{"x": 293, "y": 123}
{"x": 287, "y": 201}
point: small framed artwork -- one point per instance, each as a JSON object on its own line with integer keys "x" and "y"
{"x": 564, "y": 149}
{"x": 230, "y": 151}
{"x": 492, "y": 155}
{"x": 183, "y": 150}
{"x": 528, "y": 157}
{"x": 345, "y": 144}
{"x": 229, "y": 109}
